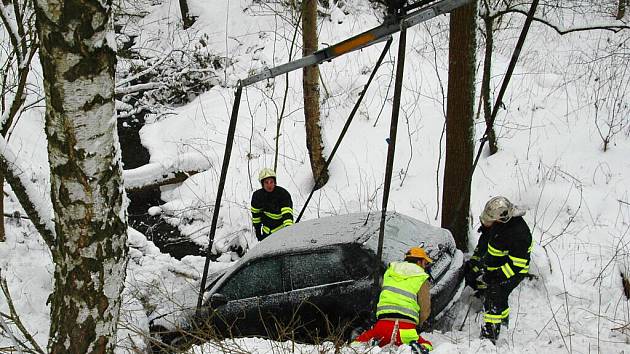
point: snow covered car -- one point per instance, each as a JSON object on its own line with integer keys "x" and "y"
{"x": 315, "y": 279}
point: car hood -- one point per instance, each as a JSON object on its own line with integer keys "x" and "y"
{"x": 401, "y": 233}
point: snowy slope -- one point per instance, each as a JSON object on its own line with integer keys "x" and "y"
{"x": 550, "y": 161}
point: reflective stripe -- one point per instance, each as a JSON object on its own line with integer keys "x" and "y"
{"x": 490, "y": 318}
{"x": 256, "y": 220}
{"x": 400, "y": 309}
{"x": 519, "y": 262}
{"x": 507, "y": 270}
{"x": 278, "y": 228}
{"x": 475, "y": 269}
{"x": 286, "y": 210}
{"x": 496, "y": 252}
{"x": 273, "y": 216}
{"x": 408, "y": 335}
{"x": 269, "y": 231}
{"x": 400, "y": 292}
{"x": 492, "y": 268}
{"x": 256, "y": 210}
{"x": 529, "y": 250}
{"x": 525, "y": 270}
{"x": 428, "y": 346}
{"x": 475, "y": 258}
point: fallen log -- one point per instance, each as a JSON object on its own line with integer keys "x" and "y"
{"x": 156, "y": 174}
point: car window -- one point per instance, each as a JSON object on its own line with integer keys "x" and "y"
{"x": 360, "y": 263}
{"x": 258, "y": 278}
{"x": 317, "y": 268}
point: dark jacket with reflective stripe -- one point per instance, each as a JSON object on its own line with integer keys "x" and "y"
{"x": 272, "y": 211}
{"x": 504, "y": 248}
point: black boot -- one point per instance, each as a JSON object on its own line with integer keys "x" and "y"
{"x": 491, "y": 331}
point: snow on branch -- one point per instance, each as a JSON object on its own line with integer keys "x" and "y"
{"x": 144, "y": 72}
{"x": 158, "y": 174}
{"x": 12, "y": 30}
{"x": 139, "y": 87}
{"x": 32, "y": 200}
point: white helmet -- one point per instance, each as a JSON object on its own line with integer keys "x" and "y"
{"x": 266, "y": 173}
{"x": 499, "y": 209}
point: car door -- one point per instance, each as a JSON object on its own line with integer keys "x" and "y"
{"x": 326, "y": 291}
{"x": 255, "y": 293}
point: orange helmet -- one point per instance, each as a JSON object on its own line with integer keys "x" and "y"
{"x": 417, "y": 253}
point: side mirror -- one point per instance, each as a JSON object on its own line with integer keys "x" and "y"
{"x": 217, "y": 300}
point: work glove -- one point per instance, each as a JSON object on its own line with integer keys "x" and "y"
{"x": 472, "y": 272}
{"x": 480, "y": 288}
{"x": 491, "y": 278}
{"x": 480, "y": 284}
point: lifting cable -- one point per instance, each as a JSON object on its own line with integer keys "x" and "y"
{"x": 389, "y": 165}
{"x": 217, "y": 203}
{"x": 506, "y": 80}
{"x": 347, "y": 125}
{"x": 391, "y": 141}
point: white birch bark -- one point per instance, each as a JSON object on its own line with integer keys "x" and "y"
{"x": 90, "y": 251}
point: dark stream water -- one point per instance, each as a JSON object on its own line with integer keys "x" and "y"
{"x": 165, "y": 236}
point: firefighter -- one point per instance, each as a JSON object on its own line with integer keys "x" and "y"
{"x": 272, "y": 208}
{"x": 404, "y": 303}
{"x": 500, "y": 261}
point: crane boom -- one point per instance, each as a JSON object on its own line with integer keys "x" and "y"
{"x": 375, "y": 35}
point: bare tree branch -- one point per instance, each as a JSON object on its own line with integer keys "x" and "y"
{"x": 31, "y": 200}
{"x": 143, "y": 72}
{"x": 558, "y": 28}
{"x": 16, "y": 319}
{"x": 12, "y": 31}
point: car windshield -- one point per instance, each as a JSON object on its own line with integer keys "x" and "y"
{"x": 402, "y": 233}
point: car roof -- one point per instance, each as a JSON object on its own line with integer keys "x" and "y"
{"x": 401, "y": 233}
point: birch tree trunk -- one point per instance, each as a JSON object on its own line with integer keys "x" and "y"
{"x": 459, "y": 123}
{"x": 310, "y": 83}
{"x": 89, "y": 251}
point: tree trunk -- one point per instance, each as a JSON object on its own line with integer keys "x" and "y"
{"x": 310, "y": 83}
{"x": 90, "y": 251}
{"x": 2, "y": 235}
{"x": 459, "y": 124}
{"x": 186, "y": 18}
{"x": 485, "y": 85}
{"x": 621, "y": 9}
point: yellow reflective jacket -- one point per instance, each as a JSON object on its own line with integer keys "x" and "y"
{"x": 399, "y": 295}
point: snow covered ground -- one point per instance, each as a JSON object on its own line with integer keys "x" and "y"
{"x": 551, "y": 161}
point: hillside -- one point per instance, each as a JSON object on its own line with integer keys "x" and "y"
{"x": 566, "y": 92}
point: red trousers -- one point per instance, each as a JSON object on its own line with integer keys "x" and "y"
{"x": 382, "y": 332}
